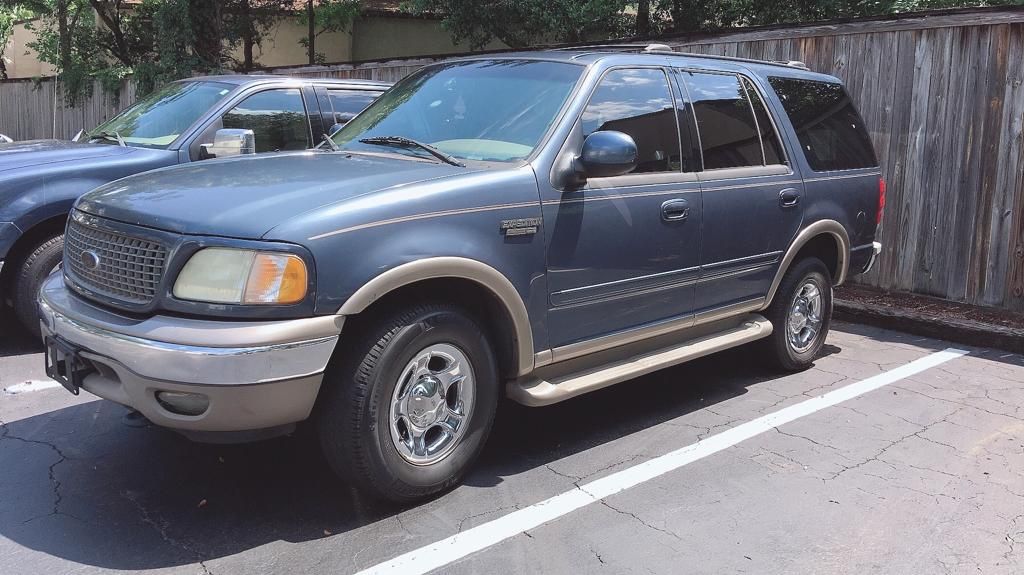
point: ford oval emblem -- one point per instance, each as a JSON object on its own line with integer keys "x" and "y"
{"x": 91, "y": 260}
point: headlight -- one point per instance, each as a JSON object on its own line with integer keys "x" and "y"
{"x": 227, "y": 275}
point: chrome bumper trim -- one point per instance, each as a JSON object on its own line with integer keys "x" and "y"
{"x": 183, "y": 363}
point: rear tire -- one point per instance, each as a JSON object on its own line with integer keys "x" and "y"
{"x": 801, "y": 314}
{"x": 407, "y": 406}
{"x": 29, "y": 277}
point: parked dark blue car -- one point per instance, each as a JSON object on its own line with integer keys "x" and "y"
{"x": 39, "y": 180}
{"x": 537, "y": 225}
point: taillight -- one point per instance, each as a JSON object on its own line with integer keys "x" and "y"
{"x": 881, "y": 200}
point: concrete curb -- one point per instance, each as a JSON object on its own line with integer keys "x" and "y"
{"x": 955, "y": 330}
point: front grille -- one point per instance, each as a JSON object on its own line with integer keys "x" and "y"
{"x": 112, "y": 264}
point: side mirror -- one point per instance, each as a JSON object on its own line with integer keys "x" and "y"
{"x": 605, "y": 154}
{"x": 5, "y": 140}
{"x": 230, "y": 142}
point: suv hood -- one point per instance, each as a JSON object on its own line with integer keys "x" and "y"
{"x": 247, "y": 197}
{"x": 34, "y": 153}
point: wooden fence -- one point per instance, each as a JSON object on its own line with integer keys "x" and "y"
{"x": 941, "y": 94}
{"x": 35, "y": 109}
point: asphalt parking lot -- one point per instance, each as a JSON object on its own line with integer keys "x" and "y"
{"x": 921, "y": 472}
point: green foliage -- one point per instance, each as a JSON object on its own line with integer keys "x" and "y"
{"x": 521, "y": 23}
{"x": 327, "y": 16}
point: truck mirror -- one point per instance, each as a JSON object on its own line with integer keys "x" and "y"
{"x": 607, "y": 153}
{"x": 230, "y": 142}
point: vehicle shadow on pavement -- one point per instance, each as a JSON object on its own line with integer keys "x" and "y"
{"x": 91, "y": 490}
{"x": 14, "y": 339}
{"x": 79, "y": 485}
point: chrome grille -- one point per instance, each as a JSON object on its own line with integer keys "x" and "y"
{"x": 113, "y": 264}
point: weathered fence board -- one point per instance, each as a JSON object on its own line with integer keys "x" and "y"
{"x": 942, "y": 97}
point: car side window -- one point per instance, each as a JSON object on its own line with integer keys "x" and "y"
{"x": 773, "y": 153}
{"x": 728, "y": 132}
{"x": 638, "y": 102}
{"x": 830, "y": 130}
{"x": 277, "y": 118}
{"x": 345, "y": 104}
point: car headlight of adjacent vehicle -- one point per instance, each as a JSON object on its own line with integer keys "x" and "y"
{"x": 237, "y": 276}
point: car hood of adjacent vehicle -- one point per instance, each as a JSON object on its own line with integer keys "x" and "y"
{"x": 35, "y": 153}
{"x": 246, "y": 197}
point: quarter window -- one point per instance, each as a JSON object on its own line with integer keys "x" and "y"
{"x": 276, "y": 117}
{"x": 728, "y": 132}
{"x": 345, "y": 104}
{"x": 829, "y": 129}
{"x": 638, "y": 102}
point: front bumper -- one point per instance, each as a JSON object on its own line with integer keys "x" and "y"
{"x": 256, "y": 375}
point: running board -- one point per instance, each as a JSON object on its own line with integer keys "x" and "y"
{"x": 536, "y": 392}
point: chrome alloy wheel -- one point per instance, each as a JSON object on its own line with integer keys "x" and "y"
{"x": 805, "y": 316}
{"x": 432, "y": 404}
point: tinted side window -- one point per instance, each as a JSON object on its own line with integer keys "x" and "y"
{"x": 277, "y": 117}
{"x": 345, "y": 104}
{"x": 830, "y": 130}
{"x": 728, "y": 132}
{"x": 639, "y": 103}
{"x": 769, "y": 139}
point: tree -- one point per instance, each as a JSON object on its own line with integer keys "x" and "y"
{"x": 8, "y": 16}
{"x": 323, "y": 16}
{"x": 522, "y": 23}
{"x": 245, "y": 22}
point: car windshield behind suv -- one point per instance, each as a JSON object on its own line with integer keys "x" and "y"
{"x": 158, "y": 120}
{"x": 490, "y": 110}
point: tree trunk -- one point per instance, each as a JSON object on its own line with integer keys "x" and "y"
{"x": 311, "y": 16}
{"x": 643, "y": 18}
{"x": 110, "y": 14}
{"x": 63, "y": 35}
{"x": 207, "y": 26}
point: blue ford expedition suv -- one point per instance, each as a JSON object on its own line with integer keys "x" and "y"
{"x": 536, "y": 225}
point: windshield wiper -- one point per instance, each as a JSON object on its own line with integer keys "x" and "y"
{"x": 403, "y": 142}
{"x": 330, "y": 143}
{"x": 112, "y": 136}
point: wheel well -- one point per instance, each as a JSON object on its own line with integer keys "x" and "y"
{"x": 30, "y": 238}
{"x": 479, "y": 301}
{"x": 825, "y": 248}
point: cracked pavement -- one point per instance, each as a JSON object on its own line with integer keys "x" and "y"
{"x": 922, "y": 476}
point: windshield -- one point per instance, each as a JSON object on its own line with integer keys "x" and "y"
{"x": 490, "y": 110}
{"x": 159, "y": 119}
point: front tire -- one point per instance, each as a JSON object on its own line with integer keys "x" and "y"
{"x": 407, "y": 408}
{"x": 801, "y": 314}
{"x": 30, "y": 273}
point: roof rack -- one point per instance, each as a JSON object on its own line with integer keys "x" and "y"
{"x": 655, "y": 48}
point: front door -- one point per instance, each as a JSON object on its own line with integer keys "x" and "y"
{"x": 751, "y": 196}
{"x": 624, "y": 251}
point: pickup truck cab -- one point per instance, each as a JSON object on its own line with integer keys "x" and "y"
{"x": 537, "y": 225}
{"x": 183, "y": 122}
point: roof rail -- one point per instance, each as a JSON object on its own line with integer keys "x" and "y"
{"x": 665, "y": 48}
{"x": 792, "y": 64}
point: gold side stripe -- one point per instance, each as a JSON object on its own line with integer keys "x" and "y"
{"x": 844, "y": 177}
{"x": 424, "y": 216}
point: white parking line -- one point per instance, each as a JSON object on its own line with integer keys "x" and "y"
{"x": 437, "y": 555}
{"x": 30, "y": 386}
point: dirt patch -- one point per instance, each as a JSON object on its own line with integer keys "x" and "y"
{"x": 930, "y": 306}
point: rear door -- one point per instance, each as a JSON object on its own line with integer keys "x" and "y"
{"x": 751, "y": 196}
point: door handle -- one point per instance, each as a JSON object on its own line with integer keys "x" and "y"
{"x": 789, "y": 197}
{"x": 675, "y": 210}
